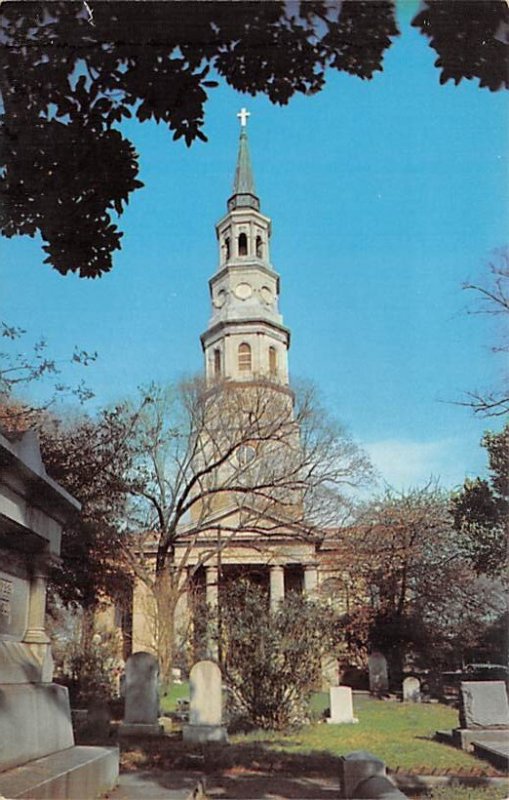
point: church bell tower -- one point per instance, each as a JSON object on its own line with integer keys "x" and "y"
{"x": 245, "y": 339}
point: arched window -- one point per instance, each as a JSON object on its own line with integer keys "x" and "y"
{"x": 259, "y": 247}
{"x": 272, "y": 360}
{"x": 217, "y": 362}
{"x": 244, "y": 357}
{"x": 227, "y": 248}
{"x": 242, "y": 244}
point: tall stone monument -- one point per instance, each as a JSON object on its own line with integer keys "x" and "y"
{"x": 206, "y": 706}
{"x": 37, "y": 753}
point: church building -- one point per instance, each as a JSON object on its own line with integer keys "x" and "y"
{"x": 245, "y": 347}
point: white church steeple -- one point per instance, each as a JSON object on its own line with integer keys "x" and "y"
{"x": 245, "y": 338}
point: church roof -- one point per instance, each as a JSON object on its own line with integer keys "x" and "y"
{"x": 244, "y": 192}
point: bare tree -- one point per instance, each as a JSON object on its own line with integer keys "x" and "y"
{"x": 23, "y": 365}
{"x": 493, "y": 297}
{"x": 242, "y": 459}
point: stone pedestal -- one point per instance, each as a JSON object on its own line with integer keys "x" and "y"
{"x": 201, "y": 734}
{"x": 38, "y": 758}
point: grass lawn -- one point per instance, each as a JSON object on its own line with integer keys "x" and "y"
{"x": 464, "y": 793}
{"x": 168, "y": 701}
{"x": 400, "y": 734}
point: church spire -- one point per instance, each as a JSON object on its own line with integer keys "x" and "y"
{"x": 245, "y": 339}
{"x": 244, "y": 192}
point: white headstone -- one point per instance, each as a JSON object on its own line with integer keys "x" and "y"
{"x": 411, "y": 690}
{"x": 141, "y": 689}
{"x": 341, "y": 705}
{"x": 378, "y": 675}
{"x": 206, "y": 704}
{"x": 206, "y": 695}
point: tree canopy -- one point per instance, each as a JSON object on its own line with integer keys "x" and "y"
{"x": 72, "y": 71}
{"x": 481, "y": 509}
{"x": 410, "y": 587}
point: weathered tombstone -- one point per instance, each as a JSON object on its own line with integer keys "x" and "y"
{"x": 378, "y": 675}
{"x": 141, "y": 691}
{"x": 483, "y": 704}
{"x": 411, "y": 690}
{"x": 483, "y": 715}
{"x": 341, "y": 705}
{"x": 206, "y": 705}
{"x": 37, "y": 753}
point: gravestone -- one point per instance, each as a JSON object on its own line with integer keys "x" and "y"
{"x": 483, "y": 716}
{"x": 341, "y": 705}
{"x": 206, "y": 705}
{"x": 483, "y": 704}
{"x": 37, "y": 753}
{"x": 141, "y": 693}
{"x": 411, "y": 690}
{"x": 378, "y": 674}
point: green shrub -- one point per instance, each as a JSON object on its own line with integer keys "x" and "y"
{"x": 271, "y": 659}
{"x": 90, "y": 672}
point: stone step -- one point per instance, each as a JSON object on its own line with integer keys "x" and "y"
{"x": 77, "y": 773}
{"x": 497, "y": 753}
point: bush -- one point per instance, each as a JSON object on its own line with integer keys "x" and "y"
{"x": 91, "y": 673}
{"x": 271, "y": 660}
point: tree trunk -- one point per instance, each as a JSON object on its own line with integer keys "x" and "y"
{"x": 87, "y": 628}
{"x": 165, "y": 602}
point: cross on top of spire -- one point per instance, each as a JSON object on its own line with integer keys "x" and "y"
{"x": 243, "y": 116}
{"x": 244, "y": 193}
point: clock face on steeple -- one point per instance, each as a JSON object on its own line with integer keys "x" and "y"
{"x": 243, "y": 291}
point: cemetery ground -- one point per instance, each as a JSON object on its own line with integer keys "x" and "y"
{"x": 303, "y": 763}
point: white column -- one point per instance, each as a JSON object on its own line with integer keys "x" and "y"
{"x": 310, "y": 578}
{"x": 36, "y": 632}
{"x": 212, "y": 598}
{"x": 277, "y": 586}
{"x": 212, "y": 586}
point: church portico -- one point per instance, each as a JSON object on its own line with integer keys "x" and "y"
{"x": 278, "y": 580}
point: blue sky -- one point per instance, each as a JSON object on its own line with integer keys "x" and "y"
{"x": 385, "y": 196}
